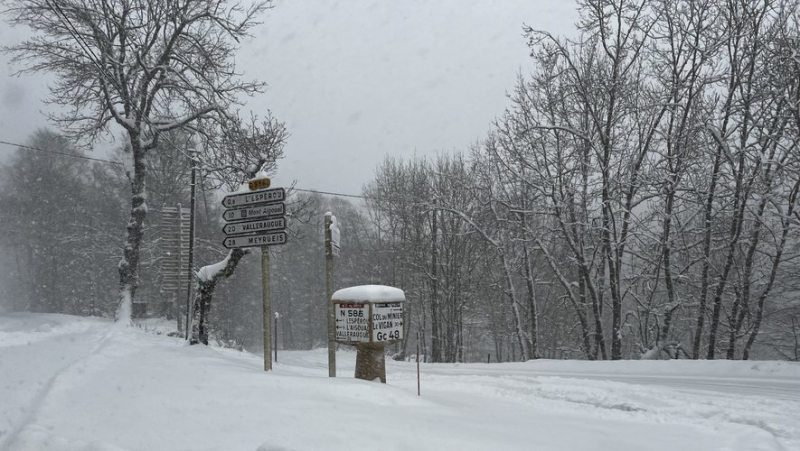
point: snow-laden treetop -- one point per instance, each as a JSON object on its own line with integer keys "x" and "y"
{"x": 362, "y": 293}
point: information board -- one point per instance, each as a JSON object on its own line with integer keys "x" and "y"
{"x": 352, "y": 322}
{"x": 387, "y": 321}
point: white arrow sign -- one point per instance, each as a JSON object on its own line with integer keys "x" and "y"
{"x": 256, "y": 197}
{"x": 257, "y": 212}
{"x": 239, "y": 228}
{"x": 387, "y": 321}
{"x": 260, "y": 239}
{"x": 352, "y": 322}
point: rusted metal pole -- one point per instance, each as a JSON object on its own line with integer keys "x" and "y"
{"x": 328, "y": 295}
{"x": 190, "y": 272}
{"x": 275, "y": 337}
{"x": 418, "y": 363}
{"x": 267, "y": 304}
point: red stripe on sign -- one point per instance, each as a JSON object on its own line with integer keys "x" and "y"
{"x": 351, "y": 305}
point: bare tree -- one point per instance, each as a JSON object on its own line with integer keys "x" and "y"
{"x": 147, "y": 66}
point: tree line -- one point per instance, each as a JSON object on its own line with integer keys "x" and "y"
{"x": 636, "y": 199}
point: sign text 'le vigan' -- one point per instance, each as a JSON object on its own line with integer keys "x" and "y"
{"x": 387, "y": 321}
{"x": 255, "y": 218}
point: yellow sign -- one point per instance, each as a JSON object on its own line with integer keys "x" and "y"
{"x": 258, "y": 184}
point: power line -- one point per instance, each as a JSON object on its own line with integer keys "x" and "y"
{"x": 26, "y": 147}
{"x": 23, "y": 146}
{"x": 330, "y": 193}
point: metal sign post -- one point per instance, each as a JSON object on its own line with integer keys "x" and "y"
{"x": 418, "y": 363}
{"x": 328, "y": 294}
{"x": 255, "y": 219}
{"x": 190, "y": 281}
{"x": 267, "y": 306}
{"x": 275, "y": 338}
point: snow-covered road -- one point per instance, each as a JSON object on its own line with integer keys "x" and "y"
{"x": 742, "y": 379}
{"x": 79, "y": 384}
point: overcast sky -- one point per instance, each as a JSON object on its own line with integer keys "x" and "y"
{"x": 356, "y": 80}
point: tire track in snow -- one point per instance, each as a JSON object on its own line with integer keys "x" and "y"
{"x": 643, "y": 402}
{"x": 41, "y": 396}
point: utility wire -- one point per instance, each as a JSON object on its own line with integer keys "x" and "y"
{"x": 22, "y": 146}
{"x": 37, "y": 149}
{"x": 330, "y": 193}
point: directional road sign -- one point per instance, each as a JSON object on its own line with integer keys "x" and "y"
{"x": 352, "y": 322}
{"x": 259, "y": 239}
{"x": 260, "y": 225}
{"x": 255, "y": 212}
{"x": 387, "y": 321}
{"x": 263, "y": 196}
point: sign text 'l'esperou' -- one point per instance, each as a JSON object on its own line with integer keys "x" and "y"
{"x": 263, "y": 196}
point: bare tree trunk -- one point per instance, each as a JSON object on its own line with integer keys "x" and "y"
{"x": 436, "y": 344}
{"x": 511, "y": 292}
{"x": 534, "y": 310}
{"x": 205, "y": 293}
{"x": 129, "y": 265}
{"x": 787, "y": 220}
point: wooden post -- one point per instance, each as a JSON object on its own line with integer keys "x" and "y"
{"x": 275, "y": 337}
{"x": 328, "y": 295}
{"x": 267, "y": 308}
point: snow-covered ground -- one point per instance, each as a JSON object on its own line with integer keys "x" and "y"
{"x": 70, "y": 383}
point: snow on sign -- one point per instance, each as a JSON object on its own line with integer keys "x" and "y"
{"x": 387, "y": 321}
{"x": 256, "y": 197}
{"x": 352, "y": 322}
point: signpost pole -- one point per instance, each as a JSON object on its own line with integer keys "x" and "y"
{"x": 193, "y": 156}
{"x": 267, "y": 307}
{"x": 417, "y": 363}
{"x": 328, "y": 295}
{"x": 178, "y": 278}
{"x": 275, "y": 337}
